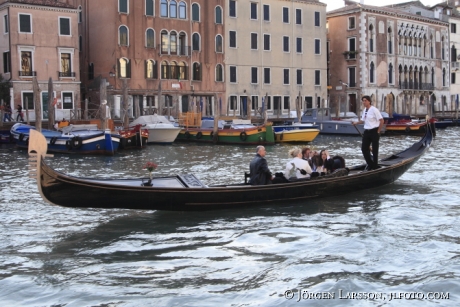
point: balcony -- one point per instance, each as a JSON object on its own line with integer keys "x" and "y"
{"x": 415, "y": 85}
{"x": 455, "y": 65}
{"x": 174, "y": 50}
{"x": 350, "y": 55}
{"x": 23, "y": 73}
{"x": 66, "y": 74}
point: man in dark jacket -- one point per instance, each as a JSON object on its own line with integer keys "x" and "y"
{"x": 260, "y": 174}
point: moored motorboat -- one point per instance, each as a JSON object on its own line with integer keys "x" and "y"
{"x": 404, "y": 124}
{"x": 299, "y": 135}
{"x": 161, "y": 130}
{"x": 237, "y": 132}
{"x": 134, "y": 137}
{"x": 72, "y": 139}
{"x": 187, "y": 193}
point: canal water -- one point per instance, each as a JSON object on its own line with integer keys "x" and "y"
{"x": 396, "y": 245}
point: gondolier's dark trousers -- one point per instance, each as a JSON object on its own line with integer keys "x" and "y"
{"x": 371, "y": 136}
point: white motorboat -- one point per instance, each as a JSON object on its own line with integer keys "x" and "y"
{"x": 161, "y": 130}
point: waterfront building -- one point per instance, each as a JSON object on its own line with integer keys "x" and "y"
{"x": 167, "y": 52}
{"x": 39, "y": 38}
{"x": 275, "y": 51}
{"x": 399, "y": 57}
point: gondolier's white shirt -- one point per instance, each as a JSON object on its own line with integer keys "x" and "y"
{"x": 371, "y": 118}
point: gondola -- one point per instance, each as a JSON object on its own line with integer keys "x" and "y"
{"x": 187, "y": 193}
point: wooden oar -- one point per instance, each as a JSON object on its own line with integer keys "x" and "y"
{"x": 358, "y": 130}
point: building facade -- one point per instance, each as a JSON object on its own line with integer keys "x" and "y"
{"x": 167, "y": 51}
{"x": 275, "y": 51}
{"x": 40, "y": 39}
{"x": 400, "y": 59}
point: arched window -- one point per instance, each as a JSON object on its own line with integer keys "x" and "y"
{"x": 150, "y": 38}
{"x": 80, "y": 17}
{"x": 123, "y": 36}
{"x": 150, "y": 69}
{"x": 219, "y": 73}
{"x": 218, "y": 13}
{"x": 173, "y": 42}
{"x": 174, "y": 70}
{"x": 182, "y": 71}
{"x": 164, "y": 70}
{"x": 196, "y": 42}
{"x": 182, "y": 10}
{"x": 443, "y": 77}
{"x": 195, "y": 12}
{"x": 390, "y": 41}
{"x": 390, "y": 74}
{"x": 182, "y": 44}
{"x": 371, "y": 38}
{"x": 443, "y": 52}
{"x": 219, "y": 44}
{"x": 196, "y": 71}
{"x": 164, "y": 42}
{"x": 164, "y": 8}
{"x": 453, "y": 53}
{"x": 432, "y": 76}
{"x": 372, "y": 73}
{"x": 123, "y": 68}
{"x": 123, "y": 6}
{"x": 149, "y": 7}
{"x": 173, "y": 9}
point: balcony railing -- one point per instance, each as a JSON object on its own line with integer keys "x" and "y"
{"x": 23, "y": 73}
{"x": 177, "y": 50}
{"x": 66, "y": 74}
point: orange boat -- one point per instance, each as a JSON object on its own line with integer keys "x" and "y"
{"x": 403, "y": 124}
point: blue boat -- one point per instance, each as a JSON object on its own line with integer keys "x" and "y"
{"x": 73, "y": 139}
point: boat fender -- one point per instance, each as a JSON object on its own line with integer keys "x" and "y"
{"x": 21, "y": 137}
{"x": 187, "y": 134}
{"x": 243, "y": 136}
{"x": 68, "y": 145}
{"x": 407, "y": 129}
{"x": 76, "y": 142}
{"x": 53, "y": 140}
{"x": 199, "y": 135}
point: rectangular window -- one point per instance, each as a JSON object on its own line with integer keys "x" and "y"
{"x": 453, "y": 28}
{"x": 67, "y": 101}
{"x": 6, "y": 62}
{"x": 253, "y": 11}
{"x": 352, "y": 48}
{"x": 233, "y": 74}
{"x": 232, "y": 8}
{"x": 28, "y": 99}
{"x": 5, "y": 24}
{"x": 298, "y": 46}
{"x": 317, "y": 46}
{"x": 64, "y": 26}
{"x": 308, "y": 102}
{"x": 255, "y": 102}
{"x": 25, "y": 24}
{"x": 254, "y": 38}
{"x": 66, "y": 69}
{"x": 352, "y": 76}
{"x": 285, "y": 15}
{"x": 286, "y": 76}
{"x": 317, "y": 77}
{"x": 286, "y": 43}
{"x": 299, "y": 77}
{"x": 298, "y": 16}
{"x": 351, "y": 23}
{"x": 123, "y": 6}
{"x": 254, "y": 75}
{"x": 286, "y": 102}
{"x": 267, "y": 75}
{"x": 267, "y": 42}
{"x": 233, "y": 103}
{"x": 233, "y": 39}
{"x": 266, "y": 12}
{"x": 149, "y": 7}
{"x": 317, "y": 19}
{"x": 452, "y": 78}
{"x": 26, "y": 63}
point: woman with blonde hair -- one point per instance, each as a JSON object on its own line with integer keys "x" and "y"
{"x": 297, "y": 167}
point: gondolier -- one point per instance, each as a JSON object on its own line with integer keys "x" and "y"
{"x": 373, "y": 123}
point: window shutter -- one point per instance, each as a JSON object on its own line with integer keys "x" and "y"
{"x": 128, "y": 69}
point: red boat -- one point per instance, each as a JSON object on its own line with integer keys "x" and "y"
{"x": 404, "y": 124}
{"x": 134, "y": 137}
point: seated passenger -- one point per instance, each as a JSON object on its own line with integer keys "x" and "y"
{"x": 297, "y": 167}
{"x": 326, "y": 163}
{"x": 259, "y": 171}
{"x": 306, "y": 155}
